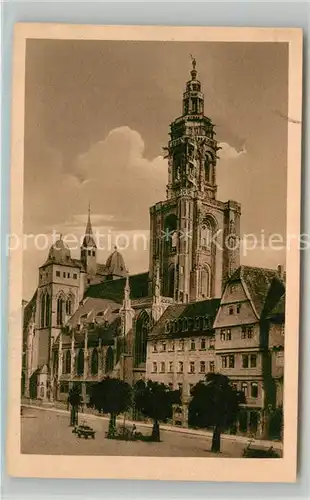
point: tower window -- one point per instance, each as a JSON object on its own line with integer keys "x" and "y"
{"x": 89, "y": 252}
{"x": 58, "y": 274}
{"x": 142, "y": 328}
{"x": 75, "y": 276}
{"x": 63, "y": 275}
{"x": 60, "y": 311}
{"x": 206, "y": 235}
{"x": 69, "y": 307}
{"x": 68, "y": 275}
{"x": 94, "y": 253}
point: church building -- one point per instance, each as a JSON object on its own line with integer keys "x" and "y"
{"x": 195, "y": 311}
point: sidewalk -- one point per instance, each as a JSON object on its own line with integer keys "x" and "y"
{"x": 164, "y": 427}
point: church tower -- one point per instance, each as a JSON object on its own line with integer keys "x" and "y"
{"x": 193, "y": 236}
{"x": 89, "y": 251}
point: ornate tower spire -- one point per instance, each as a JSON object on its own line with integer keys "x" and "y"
{"x": 89, "y": 229}
{"x": 192, "y": 149}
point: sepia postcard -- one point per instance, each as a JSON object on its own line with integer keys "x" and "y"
{"x": 154, "y": 253}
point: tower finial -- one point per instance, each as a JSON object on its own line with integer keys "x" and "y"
{"x": 193, "y": 61}
{"x": 89, "y": 209}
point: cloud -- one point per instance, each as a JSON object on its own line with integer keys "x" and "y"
{"x": 117, "y": 178}
{"x": 228, "y": 152}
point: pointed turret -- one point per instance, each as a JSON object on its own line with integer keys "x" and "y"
{"x": 126, "y": 312}
{"x": 157, "y": 308}
{"x": 89, "y": 238}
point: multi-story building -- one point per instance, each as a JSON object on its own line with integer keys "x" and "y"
{"x": 181, "y": 348}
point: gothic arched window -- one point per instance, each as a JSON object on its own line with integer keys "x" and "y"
{"x": 60, "y": 310}
{"x": 67, "y": 359}
{"x": 42, "y": 319}
{"x": 204, "y": 283}
{"x": 170, "y": 233}
{"x": 142, "y": 329}
{"x": 80, "y": 363}
{"x": 48, "y": 310}
{"x": 69, "y": 302}
{"x": 206, "y": 234}
{"x": 109, "y": 360}
{"x": 170, "y": 281}
{"x": 94, "y": 362}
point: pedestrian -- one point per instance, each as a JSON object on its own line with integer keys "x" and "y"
{"x": 134, "y": 431}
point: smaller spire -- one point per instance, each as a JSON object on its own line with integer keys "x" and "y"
{"x": 127, "y": 301}
{"x": 193, "y": 71}
{"x": 88, "y": 237}
{"x": 89, "y": 229}
{"x": 127, "y": 286}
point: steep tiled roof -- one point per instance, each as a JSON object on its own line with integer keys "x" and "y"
{"x": 257, "y": 281}
{"x": 114, "y": 289}
{"x": 202, "y": 308}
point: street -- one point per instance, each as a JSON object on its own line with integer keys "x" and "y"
{"x": 47, "y": 432}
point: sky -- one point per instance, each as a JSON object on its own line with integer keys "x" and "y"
{"x": 97, "y": 116}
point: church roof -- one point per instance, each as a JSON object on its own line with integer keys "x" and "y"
{"x": 205, "y": 308}
{"x": 114, "y": 289}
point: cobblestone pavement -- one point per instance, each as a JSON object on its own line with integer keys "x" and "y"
{"x": 47, "y": 432}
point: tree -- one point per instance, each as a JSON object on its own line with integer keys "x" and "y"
{"x": 75, "y": 400}
{"x": 112, "y": 396}
{"x": 215, "y": 403}
{"x": 155, "y": 400}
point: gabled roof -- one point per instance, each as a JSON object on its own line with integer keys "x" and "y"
{"x": 257, "y": 281}
{"x": 194, "y": 309}
{"x": 114, "y": 289}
